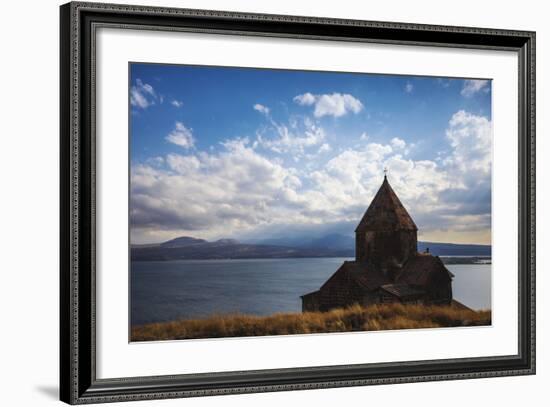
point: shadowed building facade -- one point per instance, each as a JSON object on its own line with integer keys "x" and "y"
{"x": 387, "y": 266}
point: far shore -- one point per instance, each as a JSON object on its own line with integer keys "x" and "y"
{"x": 466, "y": 259}
{"x": 481, "y": 260}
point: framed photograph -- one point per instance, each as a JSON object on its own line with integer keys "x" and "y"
{"x": 255, "y": 203}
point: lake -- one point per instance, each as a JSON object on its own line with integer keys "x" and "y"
{"x": 168, "y": 290}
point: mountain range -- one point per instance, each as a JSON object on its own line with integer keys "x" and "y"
{"x": 331, "y": 245}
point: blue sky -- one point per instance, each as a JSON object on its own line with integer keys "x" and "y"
{"x": 250, "y": 153}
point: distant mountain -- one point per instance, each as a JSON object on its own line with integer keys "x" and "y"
{"x": 184, "y": 241}
{"x": 338, "y": 241}
{"x": 331, "y": 245}
{"x": 188, "y": 248}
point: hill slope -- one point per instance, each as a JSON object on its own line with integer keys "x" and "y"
{"x": 354, "y": 318}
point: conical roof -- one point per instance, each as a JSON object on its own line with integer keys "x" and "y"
{"x": 386, "y": 212}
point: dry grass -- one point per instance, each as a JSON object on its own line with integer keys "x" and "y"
{"x": 354, "y": 318}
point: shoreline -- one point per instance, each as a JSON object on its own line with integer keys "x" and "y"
{"x": 474, "y": 260}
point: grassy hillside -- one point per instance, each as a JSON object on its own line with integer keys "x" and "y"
{"x": 355, "y": 318}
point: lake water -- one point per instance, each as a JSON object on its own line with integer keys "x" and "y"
{"x": 169, "y": 290}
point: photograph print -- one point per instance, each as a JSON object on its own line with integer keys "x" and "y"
{"x": 281, "y": 202}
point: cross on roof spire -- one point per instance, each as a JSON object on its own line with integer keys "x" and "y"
{"x": 385, "y": 171}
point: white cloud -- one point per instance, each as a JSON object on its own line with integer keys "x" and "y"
{"x": 156, "y": 161}
{"x": 211, "y": 194}
{"x": 450, "y": 197}
{"x": 288, "y": 141}
{"x": 181, "y": 136}
{"x": 335, "y": 104}
{"x": 409, "y": 87}
{"x": 176, "y": 103}
{"x": 348, "y": 182}
{"x": 183, "y": 164}
{"x": 238, "y": 189}
{"x": 295, "y": 139}
{"x": 261, "y": 108}
{"x": 364, "y": 136}
{"x": 398, "y": 143}
{"x": 473, "y": 86}
{"x": 470, "y": 137}
{"x": 325, "y": 147}
{"x": 142, "y": 95}
{"x": 307, "y": 99}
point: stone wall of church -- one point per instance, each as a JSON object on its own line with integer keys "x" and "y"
{"x": 381, "y": 247}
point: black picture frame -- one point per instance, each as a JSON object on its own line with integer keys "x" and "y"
{"x": 78, "y": 381}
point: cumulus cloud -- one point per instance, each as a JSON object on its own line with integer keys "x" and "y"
{"x": 397, "y": 143}
{"x": 307, "y": 99}
{"x": 473, "y": 86}
{"x": 350, "y": 179}
{"x": 181, "y": 136}
{"x": 335, "y": 104}
{"x": 288, "y": 141}
{"x": 142, "y": 95}
{"x": 470, "y": 137}
{"x": 261, "y": 108}
{"x": 325, "y": 147}
{"x": 176, "y": 103}
{"x": 211, "y": 193}
{"x": 409, "y": 87}
{"x": 297, "y": 139}
{"x": 445, "y": 199}
{"x": 240, "y": 189}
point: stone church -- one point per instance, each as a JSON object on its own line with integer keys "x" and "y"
{"x": 387, "y": 267}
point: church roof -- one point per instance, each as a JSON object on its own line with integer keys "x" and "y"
{"x": 402, "y": 290}
{"x": 353, "y": 273}
{"x": 353, "y": 277}
{"x": 386, "y": 212}
{"x": 419, "y": 269}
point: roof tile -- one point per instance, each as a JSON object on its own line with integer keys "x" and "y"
{"x": 386, "y": 212}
